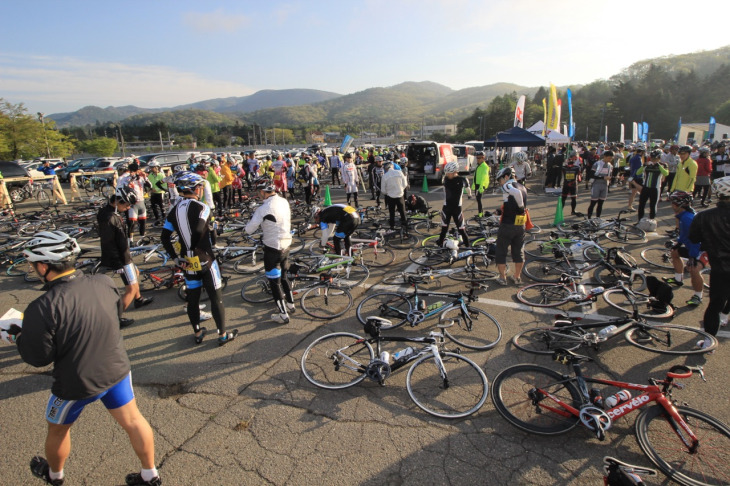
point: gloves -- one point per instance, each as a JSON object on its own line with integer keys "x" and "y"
{"x": 181, "y": 262}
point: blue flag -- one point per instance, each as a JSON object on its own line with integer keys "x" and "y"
{"x": 346, "y": 142}
{"x": 646, "y": 131}
{"x": 711, "y": 131}
{"x": 679, "y": 128}
{"x": 571, "y": 125}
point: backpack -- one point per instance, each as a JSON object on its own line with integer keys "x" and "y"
{"x": 662, "y": 293}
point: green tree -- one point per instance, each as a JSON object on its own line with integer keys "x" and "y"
{"x": 102, "y": 147}
{"x": 23, "y": 136}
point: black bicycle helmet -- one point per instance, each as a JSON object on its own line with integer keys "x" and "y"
{"x": 126, "y": 195}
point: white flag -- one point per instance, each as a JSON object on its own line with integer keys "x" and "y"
{"x": 520, "y": 112}
{"x": 621, "y": 139}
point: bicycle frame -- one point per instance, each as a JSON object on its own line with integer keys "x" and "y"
{"x": 459, "y": 301}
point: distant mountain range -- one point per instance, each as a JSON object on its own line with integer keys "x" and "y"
{"x": 407, "y": 101}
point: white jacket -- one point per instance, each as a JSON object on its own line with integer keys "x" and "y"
{"x": 393, "y": 184}
{"x": 274, "y": 217}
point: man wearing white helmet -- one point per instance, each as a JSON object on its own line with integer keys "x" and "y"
{"x": 511, "y": 233}
{"x": 521, "y": 167}
{"x": 711, "y": 228}
{"x": 454, "y": 186}
{"x": 75, "y": 326}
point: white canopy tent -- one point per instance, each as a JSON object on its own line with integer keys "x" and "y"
{"x": 553, "y": 138}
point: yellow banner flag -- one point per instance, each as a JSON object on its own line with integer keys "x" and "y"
{"x": 553, "y": 115}
{"x": 544, "y": 116}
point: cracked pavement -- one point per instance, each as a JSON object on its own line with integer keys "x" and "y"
{"x": 244, "y": 414}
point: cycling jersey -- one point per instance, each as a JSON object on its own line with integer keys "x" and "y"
{"x": 652, "y": 174}
{"x": 454, "y": 190}
{"x": 135, "y": 182}
{"x": 685, "y": 222}
{"x": 515, "y": 201}
{"x": 190, "y": 219}
{"x": 522, "y": 171}
{"x": 274, "y": 217}
{"x": 570, "y": 175}
{"x": 686, "y": 175}
{"x": 113, "y": 238}
{"x": 253, "y": 167}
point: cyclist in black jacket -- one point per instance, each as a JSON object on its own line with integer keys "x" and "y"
{"x": 346, "y": 220}
{"x": 115, "y": 247}
{"x": 511, "y": 231}
{"x": 454, "y": 186}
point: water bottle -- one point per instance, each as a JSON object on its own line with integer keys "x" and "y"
{"x": 403, "y": 354}
{"x": 606, "y": 331}
{"x": 595, "y": 396}
{"x": 435, "y": 305}
{"x": 385, "y": 357}
{"x": 620, "y": 397}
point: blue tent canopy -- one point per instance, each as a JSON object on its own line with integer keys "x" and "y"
{"x": 514, "y": 137}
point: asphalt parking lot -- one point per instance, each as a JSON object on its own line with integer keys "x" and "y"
{"x": 244, "y": 414}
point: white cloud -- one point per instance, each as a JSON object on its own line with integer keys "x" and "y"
{"x": 215, "y": 21}
{"x": 65, "y": 84}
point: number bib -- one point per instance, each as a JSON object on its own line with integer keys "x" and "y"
{"x": 520, "y": 219}
{"x": 349, "y": 209}
{"x": 194, "y": 264}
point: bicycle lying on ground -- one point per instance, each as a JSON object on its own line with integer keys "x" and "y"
{"x": 689, "y": 446}
{"x": 618, "y": 473}
{"x": 442, "y": 383}
{"x": 474, "y": 328}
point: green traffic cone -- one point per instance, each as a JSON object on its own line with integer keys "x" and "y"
{"x": 558, "y": 212}
{"x": 424, "y": 188}
{"x": 327, "y": 198}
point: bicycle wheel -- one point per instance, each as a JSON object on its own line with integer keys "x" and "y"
{"x": 427, "y": 228}
{"x": 545, "y": 340}
{"x": 257, "y": 291}
{"x": 658, "y": 256}
{"x": 326, "y": 301}
{"x": 251, "y": 262}
{"x": 475, "y": 270}
{"x": 617, "y": 299}
{"x": 388, "y": 305}
{"x": 431, "y": 240}
{"x": 156, "y": 279}
{"x": 607, "y": 277}
{"x": 43, "y": 198}
{"x": 459, "y": 390}
{"x": 349, "y": 276}
{"x": 29, "y": 229}
{"x": 19, "y": 268}
{"x": 337, "y": 360}
{"x": 548, "y": 271}
{"x": 534, "y": 230}
{"x": 429, "y": 256}
{"x": 539, "y": 248}
{"x": 626, "y": 234}
{"x": 593, "y": 253}
{"x": 484, "y": 332}
{"x": 297, "y": 245}
{"x": 544, "y": 294}
{"x": 149, "y": 259}
{"x": 107, "y": 189}
{"x": 376, "y": 256}
{"x": 522, "y": 394}
{"x": 401, "y": 240}
{"x": 663, "y": 445}
{"x": 669, "y": 339}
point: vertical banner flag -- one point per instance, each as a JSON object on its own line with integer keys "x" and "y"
{"x": 552, "y": 112}
{"x": 544, "y": 116}
{"x": 565, "y": 129}
{"x": 645, "y": 130}
{"x": 605, "y": 137}
{"x": 560, "y": 109}
{"x": 520, "y": 112}
{"x": 621, "y": 139}
{"x": 679, "y": 128}
{"x": 711, "y": 132}
{"x": 346, "y": 142}
{"x": 571, "y": 129}
{"x": 635, "y": 135}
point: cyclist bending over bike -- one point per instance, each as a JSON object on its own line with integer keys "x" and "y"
{"x": 340, "y": 219}
{"x": 274, "y": 218}
{"x": 190, "y": 219}
{"x": 454, "y": 186}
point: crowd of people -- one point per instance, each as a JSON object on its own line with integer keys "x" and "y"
{"x": 82, "y": 337}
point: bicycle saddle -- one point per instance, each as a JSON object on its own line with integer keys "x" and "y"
{"x": 611, "y": 462}
{"x": 378, "y": 322}
{"x": 566, "y": 356}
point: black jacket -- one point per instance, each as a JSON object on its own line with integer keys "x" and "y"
{"x": 113, "y": 238}
{"x": 75, "y": 326}
{"x": 711, "y": 228}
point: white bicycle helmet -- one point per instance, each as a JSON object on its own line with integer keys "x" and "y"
{"x": 721, "y": 187}
{"x": 520, "y": 157}
{"x": 154, "y": 163}
{"x": 451, "y": 167}
{"x": 51, "y": 247}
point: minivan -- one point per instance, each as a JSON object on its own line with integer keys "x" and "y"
{"x": 465, "y": 157}
{"x": 429, "y": 158}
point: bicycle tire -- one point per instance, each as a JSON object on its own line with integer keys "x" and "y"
{"x": 626, "y": 234}
{"x": 349, "y": 276}
{"x": 463, "y": 394}
{"x": 320, "y": 367}
{"x": 297, "y": 244}
{"x": 400, "y": 241}
{"x": 707, "y": 464}
{"x": 544, "y": 294}
{"x": 536, "y": 229}
{"x": 547, "y": 271}
{"x": 156, "y": 279}
{"x": 149, "y": 259}
{"x": 43, "y": 198}
{"x": 539, "y": 248}
{"x": 545, "y": 340}
{"x": 518, "y": 391}
{"x": 107, "y": 189}
{"x": 606, "y": 277}
{"x": 431, "y": 240}
{"x": 670, "y": 339}
{"x": 388, "y": 305}
{"x": 429, "y": 256}
{"x": 658, "y": 256}
{"x": 326, "y": 301}
{"x": 593, "y": 254}
{"x": 484, "y": 334}
{"x": 250, "y": 262}
{"x": 372, "y": 256}
{"x": 257, "y": 291}
{"x": 427, "y": 228}
{"x": 618, "y": 300}
{"x": 475, "y": 271}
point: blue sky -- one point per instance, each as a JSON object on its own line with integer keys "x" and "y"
{"x": 60, "y": 56}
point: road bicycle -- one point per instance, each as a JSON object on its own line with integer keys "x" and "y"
{"x": 626, "y": 300}
{"x": 619, "y": 473}
{"x": 429, "y": 277}
{"x": 40, "y": 191}
{"x": 368, "y": 251}
{"x": 440, "y": 382}
{"x": 615, "y": 229}
{"x": 101, "y": 186}
{"x": 567, "y": 290}
{"x": 166, "y": 277}
{"x": 689, "y": 446}
{"x": 473, "y": 329}
{"x": 661, "y": 257}
{"x": 579, "y": 246}
{"x": 476, "y": 261}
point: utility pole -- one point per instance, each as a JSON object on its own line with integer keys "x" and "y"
{"x": 45, "y": 137}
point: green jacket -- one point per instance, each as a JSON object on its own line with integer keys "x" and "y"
{"x": 684, "y": 179}
{"x": 157, "y": 182}
{"x": 213, "y": 180}
{"x": 481, "y": 177}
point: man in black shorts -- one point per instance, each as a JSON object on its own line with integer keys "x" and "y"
{"x": 345, "y": 220}
{"x": 454, "y": 186}
{"x": 511, "y": 231}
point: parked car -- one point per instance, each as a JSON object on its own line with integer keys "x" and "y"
{"x": 102, "y": 164}
{"x": 165, "y": 159}
{"x": 465, "y": 157}
{"x": 12, "y": 169}
{"x": 72, "y": 167}
{"x": 429, "y": 158}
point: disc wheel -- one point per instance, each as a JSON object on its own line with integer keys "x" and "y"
{"x": 336, "y": 361}
{"x": 544, "y": 295}
{"x": 521, "y": 394}
{"x": 326, "y": 301}
{"x": 388, "y": 305}
{"x": 545, "y": 340}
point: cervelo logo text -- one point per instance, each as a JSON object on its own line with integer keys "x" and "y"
{"x": 626, "y": 407}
